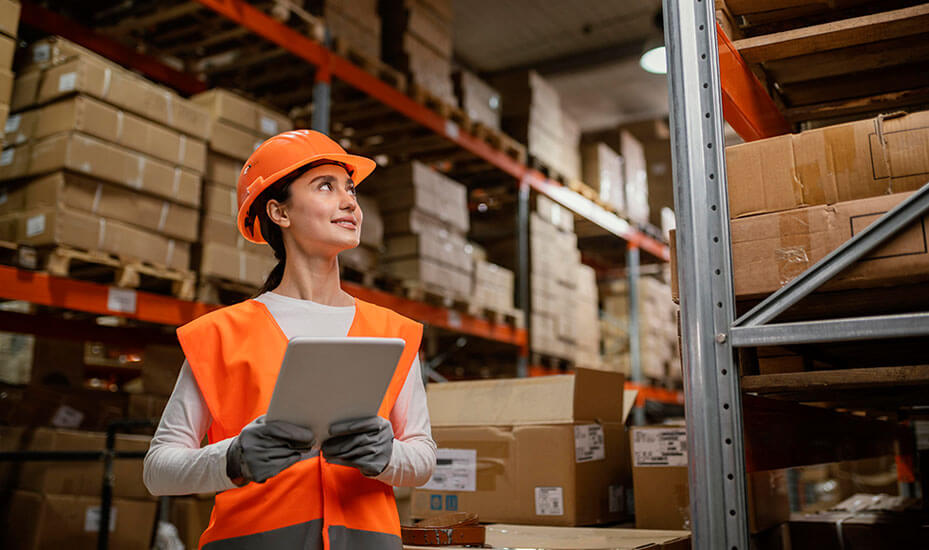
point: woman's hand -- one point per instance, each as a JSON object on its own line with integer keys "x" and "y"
{"x": 264, "y": 449}
{"x": 365, "y": 444}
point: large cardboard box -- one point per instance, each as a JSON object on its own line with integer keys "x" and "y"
{"x": 417, "y": 186}
{"x": 191, "y": 516}
{"x": 9, "y": 17}
{"x": 603, "y": 170}
{"x": 222, "y": 170}
{"x": 478, "y": 99}
{"x": 635, "y": 175}
{"x": 61, "y": 226}
{"x": 46, "y": 522}
{"x": 95, "y": 118}
{"x": 92, "y": 157}
{"x": 662, "y": 496}
{"x": 7, "y": 50}
{"x": 440, "y": 246}
{"x": 69, "y": 190}
{"x": 856, "y": 160}
{"x": 768, "y": 251}
{"x": 434, "y": 276}
{"x": 76, "y": 478}
{"x": 226, "y": 262}
{"x": 491, "y": 434}
{"x": 232, "y": 141}
{"x": 249, "y": 115}
{"x": 160, "y": 368}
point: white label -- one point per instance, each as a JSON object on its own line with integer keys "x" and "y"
{"x": 588, "y": 443}
{"x": 549, "y": 501}
{"x": 617, "y": 498}
{"x": 92, "y": 519}
{"x": 67, "y": 417}
{"x": 454, "y": 319}
{"x": 455, "y": 470}
{"x": 121, "y": 299}
{"x": 268, "y": 125}
{"x": 67, "y": 82}
{"x": 41, "y": 53}
{"x": 660, "y": 447}
{"x": 12, "y": 123}
{"x": 35, "y": 225}
{"x": 451, "y": 129}
{"x": 6, "y": 158}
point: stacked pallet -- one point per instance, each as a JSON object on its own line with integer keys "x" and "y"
{"x": 417, "y": 40}
{"x": 658, "y": 341}
{"x": 532, "y": 114}
{"x": 239, "y": 126}
{"x": 478, "y": 99}
{"x": 9, "y": 23}
{"x": 101, "y": 161}
{"x": 354, "y": 24}
{"x": 425, "y": 222}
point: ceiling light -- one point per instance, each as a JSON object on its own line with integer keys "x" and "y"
{"x": 653, "y": 57}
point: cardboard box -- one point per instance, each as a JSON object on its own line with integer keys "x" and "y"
{"x": 478, "y": 99}
{"x": 61, "y": 226}
{"x": 95, "y": 118}
{"x": 491, "y": 433}
{"x": 69, "y": 190}
{"x": 93, "y": 157}
{"x": 416, "y": 186}
{"x": 57, "y": 362}
{"x": 44, "y": 522}
{"x": 160, "y": 368}
{"x": 603, "y": 170}
{"x": 768, "y": 251}
{"x": 234, "y": 142}
{"x": 9, "y": 17}
{"x": 221, "y": 229}
{"x": 372, "y": 224}
{"x": 230, "y": 263}
{"x": 842, "y": 530}
{"x": 7, "y": 50}
{"x": 578, "y": 538}
{"x": 191, "y": 516}
{"x": 851, "y": 161}
{"x": 220, "y": 200}
{"x": 89, "y": 74}
{"x": 232, "y": 108}
{"x": 6, "y": 86}
{"x": 77, "y": 478}
{"x": 662, "y": 495}
{"x": 441, "y": 247}
{"x": 222, "y": 170}
{"x": 554, "y": 214}
{"x": 635, "y": 175}
{"x": 434, "y": 276}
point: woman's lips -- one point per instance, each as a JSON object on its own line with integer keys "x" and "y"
{"x": 346, "y": 223}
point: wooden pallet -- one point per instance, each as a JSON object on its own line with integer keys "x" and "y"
{"x": 376, "y": 67}
{"x": 448, "y": 111}
{"x": 103, "y": 267}
{"x": 513, "y": 317}
{"x": 547, "y": 171}
{"x": 427, "y": 293}
{"x": 212, "y": 290}
{"x": 353, "y": 274}
{"x": 551, "y": 362}
{"x": 500, "y": 141}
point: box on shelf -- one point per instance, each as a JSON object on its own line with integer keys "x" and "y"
{"x": 490, "y": 432}
{"x": 95, "y": 118}
{"x": 229, "y": 107}
{"x": 356, "y": 24}
{"x": 372, "y": 223}
{"x": 9, "y": 17}
{"x": 554, "y": 213}
{"x": 95, "y": 158}
{"x": 417, "y": 39}
{"x": 160, "y": 368}
{"x": 415, "y": 186}
{"x": 7, "y": 50}
{"x": 492, "y": 287}
{"x": 439, "y": 246}
{"x": 226, "y": 262}
{"x": 191, "y": 516}
{"x": 603, "y": 170}
{"x": 433, "y": 276}
{"x": 662, "y": 501}
{"x": 222, "y": 170}
{"x": 846, "y": 162}
{"x": 478, "y": 99}
{"x": 580, "y": 538}
{"x": 635, "y": 172}
{"x": 70, "y": 190}
{"x": 36, "y": 521}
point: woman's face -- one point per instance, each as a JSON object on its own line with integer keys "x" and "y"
{"x": 322, "y": 215}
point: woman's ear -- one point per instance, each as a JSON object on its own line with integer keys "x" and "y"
{"x": 277, "y": 212}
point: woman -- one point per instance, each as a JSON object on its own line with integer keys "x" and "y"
{"x": 297, "y": 193}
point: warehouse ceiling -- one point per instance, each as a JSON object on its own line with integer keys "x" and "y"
{"x": 588, "y": 49}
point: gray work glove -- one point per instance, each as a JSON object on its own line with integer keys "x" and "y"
{"x": 365, "y": 444}
{"x": 264, "y": 449}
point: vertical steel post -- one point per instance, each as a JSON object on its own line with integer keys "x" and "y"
{"x": 713, "y": 402}
{"x": 322, "y": 89}
{"x": 522, "y": 268}
{"x": 635, "y": 353}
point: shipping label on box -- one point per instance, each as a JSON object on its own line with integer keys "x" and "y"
{"x": 455, "y": 470}
{"x": 549, "y": 501}
{"x": 588, "y": 443}
{"x": 660, "y": 447}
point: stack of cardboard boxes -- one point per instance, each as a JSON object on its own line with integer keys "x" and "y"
{"x": 239, "y": 126}
{"x": 533, "y": 115}
{"x": 603, "y": 171}
{"x": 425, "y": 222}
{"x": 160, "y": 368}
{"x": 587, "y": 319}
{"x": 353, "y": 22}
{"x": 106, "y": 161}
{"x": 9, "y": 24}
{"x": 478, "y": 99}
{"x": 492, "y": 287}
{"x": 364, "y": 257}
{"x": 418, "y": 41}
{"x": 658, "y": 341}
{"x": 492, "y": 433}
{"x": 57, "y": 504}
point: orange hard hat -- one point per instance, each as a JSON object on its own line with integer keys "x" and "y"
{"x": 281, "y": 155}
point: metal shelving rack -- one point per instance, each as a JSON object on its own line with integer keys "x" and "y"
{"x": 717, "y": 415}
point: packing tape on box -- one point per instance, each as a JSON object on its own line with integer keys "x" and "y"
{"x": 119, "y": 124}
{"x": 137, "y": 182}
{"x": 176, "y": 186}
{"x": 169, "y": 100}
{"x": 794, "y": 243}
{"x": 181, "y": 149}
{"x": 170, "y": 254}
{"x": 107, "y": 78}
{"x": 165, "y": 208}
{"x": 98, "y": 194}
{"x": 233, "y": 203}
{"x": 101, "y": 234}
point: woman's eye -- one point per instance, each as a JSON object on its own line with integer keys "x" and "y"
{"x": 352, "y": 190}
{"x": 327, "y": 186}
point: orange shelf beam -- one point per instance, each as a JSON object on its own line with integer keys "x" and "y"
{"x": 746, "y": 104}
{"x": 651, "y": 393}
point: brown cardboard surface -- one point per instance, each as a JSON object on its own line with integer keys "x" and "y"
{"x": 93, "y": 157}
{"x": 9, "y": 17}
{"x": 416, "y": 186}
{"x": 227, "y": 262}
{"x": 372, "y": 225}
{"x": 78, "y": 478}
{"x": 221, "y": 229}
{"x": 249, "y": 115}
{"x": 222, "y": 169}
{"x": 839, "y": 163}
{"x": 7, "y": 50}
{"x": 160, "y": 368}
{"x": 61, "y": 226}
{"x": 44, "y": 522}
{"x": 220, "y": 201}
{"x": 442, "y": 247}
{"x": 6, "y": 86}
{"x": 435, "y": 276}
{"x": 511, "y": 480}
{"x": 603, "y": 170}
{"x": 233, "y": 141}
{"x": 66, "y": 189}
{"x": 770, "y": 250}
{"x": 191, "y": 516}
{"x": 95, "y": 118}
{"x": 579, "y": 538}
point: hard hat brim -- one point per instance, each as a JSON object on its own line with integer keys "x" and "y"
{"x": 361, "y": 169}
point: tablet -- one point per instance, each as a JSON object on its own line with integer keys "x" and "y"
{"x": 326, "y": 380}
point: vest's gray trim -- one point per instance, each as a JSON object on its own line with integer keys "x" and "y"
{"x": 302, "y": 536}
{"x": 343, "y": 538}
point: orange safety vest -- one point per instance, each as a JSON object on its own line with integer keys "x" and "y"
{"x": 235, "y": 354}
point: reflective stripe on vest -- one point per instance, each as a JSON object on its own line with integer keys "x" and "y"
{"x": 235, "y": 354}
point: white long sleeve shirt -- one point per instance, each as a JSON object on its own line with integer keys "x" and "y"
{"x": 176, "y": 464}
